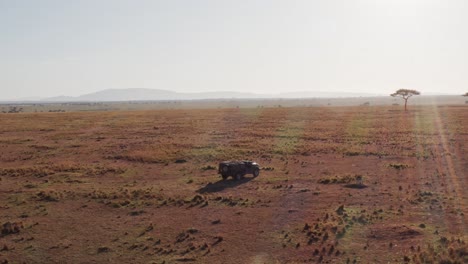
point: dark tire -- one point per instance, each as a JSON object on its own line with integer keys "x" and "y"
{"x": 239, "y": 177}
{"x": 224, "y": 176}
{"x": 256, "y": 172}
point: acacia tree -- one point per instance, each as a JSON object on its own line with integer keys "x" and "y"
{"x": 405, "y": 94}
{"x": 466, "y": 94}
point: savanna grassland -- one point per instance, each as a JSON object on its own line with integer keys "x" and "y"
{"x": 142, "y": 186}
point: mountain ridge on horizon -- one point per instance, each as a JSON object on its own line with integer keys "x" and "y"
{"x": 148, "y": 94}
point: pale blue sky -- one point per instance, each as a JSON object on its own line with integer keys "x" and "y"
{"x": 50, "y": 48}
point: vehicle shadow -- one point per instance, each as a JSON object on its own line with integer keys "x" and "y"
{"x": 223, "y": 184}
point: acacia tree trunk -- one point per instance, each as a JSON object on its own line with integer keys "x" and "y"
{"x": 406, "y": 101}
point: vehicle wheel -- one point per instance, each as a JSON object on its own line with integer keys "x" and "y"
{"x": 238, "y": 176}
{"x": 256, "y": 172}
{"x": 224, "y": 176}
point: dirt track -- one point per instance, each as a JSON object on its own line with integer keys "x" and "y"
{"x": 104, "y": 186}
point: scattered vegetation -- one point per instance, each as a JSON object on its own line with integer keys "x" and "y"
{"x": 11, "y": 228}
{"x": 398, "y": 166}
{"x": 208, "y": 167}
{"x": 48, "y": 170}
{"x": 340, "y": 179}
{"x": 109, "y": 173}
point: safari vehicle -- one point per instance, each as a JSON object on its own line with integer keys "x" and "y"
{"x": 238, "y": 169}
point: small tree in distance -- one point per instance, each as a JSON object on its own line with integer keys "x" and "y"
{"x": 405, "y": 94}
{"x": 466, "y": 94}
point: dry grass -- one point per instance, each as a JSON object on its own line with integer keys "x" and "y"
{"x": 139, "y": 186}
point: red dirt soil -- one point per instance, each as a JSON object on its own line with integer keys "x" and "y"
{"x": 104, "y": 187}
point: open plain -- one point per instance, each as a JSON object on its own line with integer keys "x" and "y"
{"x": 143, "y": 187}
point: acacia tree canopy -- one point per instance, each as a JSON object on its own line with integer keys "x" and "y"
{"x": 466, "y": 94}
{"x": 405, "y": 94}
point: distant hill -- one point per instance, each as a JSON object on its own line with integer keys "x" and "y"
{"x": 309, "y": 94}
{"x": 143, "y": 94}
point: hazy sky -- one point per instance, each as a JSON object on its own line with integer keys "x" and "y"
{"x": 50, "y": 48}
